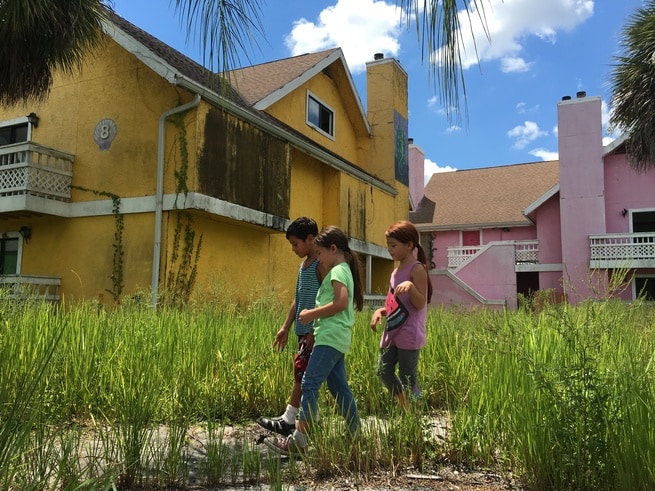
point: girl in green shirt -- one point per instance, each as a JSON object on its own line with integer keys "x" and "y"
{"x": 334, "y": 316}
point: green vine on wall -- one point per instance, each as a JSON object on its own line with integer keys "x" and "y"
{"x": 117, "y": 278}
{"x": 185, "y": 253}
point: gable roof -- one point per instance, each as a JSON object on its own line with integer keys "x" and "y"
{"x": 265, "y": 84}
{"x": 180, "y": 70}
{"x": 486, "y": 197}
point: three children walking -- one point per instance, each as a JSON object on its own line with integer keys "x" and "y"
{"x": 332, "y": 318}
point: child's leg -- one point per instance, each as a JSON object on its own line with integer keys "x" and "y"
{"x": 387, "y": 370}
{"x": 337, "y": 382}
{"x": 408, "y": 368}
{"x": 319, "y": 367}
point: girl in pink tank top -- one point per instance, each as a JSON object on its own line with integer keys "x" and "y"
{"x": 405, "y": 311}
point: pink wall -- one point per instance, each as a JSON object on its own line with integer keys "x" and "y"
{"x": 515, "y": 233}
{"x": 492, "y": 274}
{"x": 582, "y": 188}
{"x": 440, "y": 243}
{"x": 549, "y": 233}
{"x": 625, "y": 188}
{"x": 416, "y": 173}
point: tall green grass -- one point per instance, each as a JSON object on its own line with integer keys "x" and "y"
{"x": 95, "y": 399}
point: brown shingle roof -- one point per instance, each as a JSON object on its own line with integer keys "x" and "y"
{"x": 257, "y": 81}
{"x": 490, "y": 196}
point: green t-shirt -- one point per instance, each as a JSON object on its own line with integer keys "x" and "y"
{"x": 336, "y": 330}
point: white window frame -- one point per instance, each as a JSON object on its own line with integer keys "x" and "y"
{"x": 322, "y": 105}
{"x": 17, "y": 122}
{"x": 21, "y": 243}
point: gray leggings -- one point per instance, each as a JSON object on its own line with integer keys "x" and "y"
{"x": 407, "y": 361}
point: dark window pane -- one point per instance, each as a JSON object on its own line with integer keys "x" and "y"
{"x": 8, "y": 256}
{"x": 645, "y": 288}
{"x": 13, "y": 134}
{"x": 320, "y": 116}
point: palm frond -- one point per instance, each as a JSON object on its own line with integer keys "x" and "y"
{"x": 632, "y": 84}
{"x": 227, "y": 29}
{"x": 439, "y": 36}
{"x": 38, "y": 37}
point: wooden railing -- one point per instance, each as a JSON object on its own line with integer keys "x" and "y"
{"x": 30, "y": 168}
{"x": 622, "y": 250}
{"x": 525, "y": 252}
{"x": 31, "y": 287}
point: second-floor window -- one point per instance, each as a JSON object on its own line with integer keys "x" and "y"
{"x": 320, "y": 116}
{"x": 16, "y": 133}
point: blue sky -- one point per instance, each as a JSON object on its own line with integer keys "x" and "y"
{"x": 540, "y": 50}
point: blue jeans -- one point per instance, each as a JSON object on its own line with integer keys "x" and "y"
{"x": 327, "y": 364}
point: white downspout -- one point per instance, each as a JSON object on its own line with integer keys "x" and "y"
{"x": 159, "y": 193}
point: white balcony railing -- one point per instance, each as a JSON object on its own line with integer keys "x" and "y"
{"x": 622, "y": 250}
{"x": 460, "y": 255}
{"x": 31, "y": 287}
{"x": 525, "y": 252}
{"x": 30, "y": 168}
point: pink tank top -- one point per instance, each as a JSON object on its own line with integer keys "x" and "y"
{"x": 411, "y": 335}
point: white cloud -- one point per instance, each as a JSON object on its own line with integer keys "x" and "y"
{"x": 512, "y": 64}
{"x": 360, "y": 28}
{"x": 432, "y": 168}
{"x": 522, "y": 108}
{"x": 511, "y": 22}
{"x": 544, "y": 154}
{"x": 525, "y": 134}
{"x": 605, "y": 112}
{"x": 453, "y": 129}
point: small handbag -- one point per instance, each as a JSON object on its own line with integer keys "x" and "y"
{"x": 397, "y": 313}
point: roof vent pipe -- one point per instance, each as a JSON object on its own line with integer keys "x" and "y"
{"x": 378, "y": 56}
{"x": 580, "y": 95}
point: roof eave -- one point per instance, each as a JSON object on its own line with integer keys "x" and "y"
{"x": 173, "y": 76}
{"x": 430, "y": 227}
{"x": 144, "y": 54}
{"x": 335, "y": 56}
{"x": 541, "y": 200}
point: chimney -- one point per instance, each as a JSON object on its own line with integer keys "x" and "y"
{"x": 581, "y": 190}
{"x": 388, "y": 114}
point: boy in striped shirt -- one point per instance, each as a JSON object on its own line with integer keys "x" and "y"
{"x": 300, "y": 234}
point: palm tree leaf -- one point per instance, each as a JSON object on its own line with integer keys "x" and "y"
{"x": 633, "y": 86}
{"x": 38, "y": 37}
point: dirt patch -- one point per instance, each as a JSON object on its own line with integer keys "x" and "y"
{"x": 439, "y": 477}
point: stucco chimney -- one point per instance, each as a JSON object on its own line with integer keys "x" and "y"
{"x": 582, "y": 189}
{"x": 387, "y": 112}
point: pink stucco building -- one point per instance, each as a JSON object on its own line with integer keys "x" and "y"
{"x": 568, "y": 225}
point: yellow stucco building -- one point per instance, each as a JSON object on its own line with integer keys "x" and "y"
{"x": 144, "y": 173}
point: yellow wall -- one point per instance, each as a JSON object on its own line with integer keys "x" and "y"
{"x": 239, "y": 257}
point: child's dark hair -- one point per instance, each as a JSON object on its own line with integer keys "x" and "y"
{"x": 335, "y": 236}
{"x": 302, "y": 227}
{"x": 405, "y": 232}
